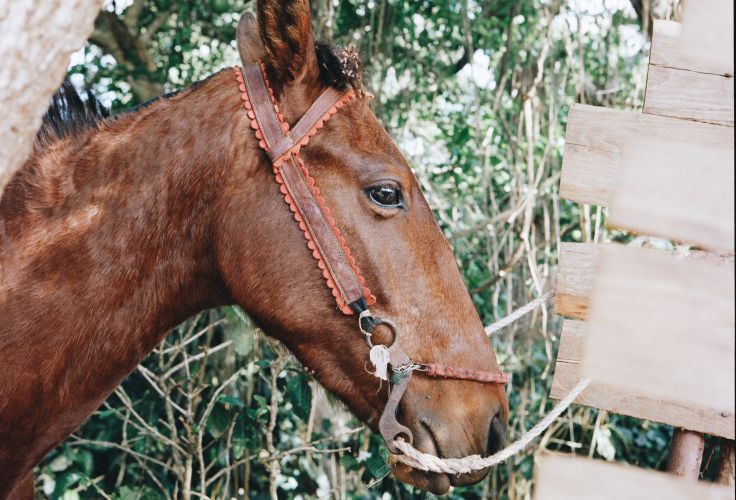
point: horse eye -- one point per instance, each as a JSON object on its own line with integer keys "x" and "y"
{"x": 386, "y": 195}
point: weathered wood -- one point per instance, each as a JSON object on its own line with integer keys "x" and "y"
{"x": 676, "y": 190}
{"x": 682, "y": 86}
{"x": 561, "y": 477}
{"x": 596, "y": 139}
{"x": 686, "y": 454}
{"x": 578, "y": 265}
{"x": 707, "y": 32}
{"x": 588, "y": 173}
{"x": 568, "y": 374}
{"x": 663, "y": 327}
{"x": 689, "y": 95}
{"x": 653, "y": 187}
{"x": 727, "y": 464}
{"x": 36, "y": 40}
{"x": 667, "y": 50}
{"x": 572, "y": 343}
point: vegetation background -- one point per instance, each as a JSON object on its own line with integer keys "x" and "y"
{"x": 476, "y": 93}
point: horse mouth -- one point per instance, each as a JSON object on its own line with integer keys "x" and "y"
{"x": 425, "y": 440}
{"x": 433, "y": 482}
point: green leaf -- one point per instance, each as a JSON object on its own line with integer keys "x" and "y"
{"x": 85, "y": 460}
{"x": 218, "y": 421}
{"x": 64, "y": 482}
{"x": 260, "y": 400}
{"x": 240, "y": 330}
{"x": 127, "y": 493}
{"x": 220, "y": 6}
{"x": 262, "y": 409}
{"x": 349, "y": 462}
{"x": 231, "y": 400}
{"x": 377, "y": 466}
{"x": 163, "y": 4}
{"x": 300, "y": 395}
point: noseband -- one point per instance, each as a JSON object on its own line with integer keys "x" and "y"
{"x": 282, "y": 144}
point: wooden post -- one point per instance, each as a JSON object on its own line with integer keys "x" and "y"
{"x": 686, "y": 454}
{"x": 726, "y": 464}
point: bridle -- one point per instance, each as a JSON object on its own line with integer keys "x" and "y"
{"x": 282, "y": 144}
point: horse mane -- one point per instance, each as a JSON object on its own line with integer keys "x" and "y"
{"x": 71, "y": 113}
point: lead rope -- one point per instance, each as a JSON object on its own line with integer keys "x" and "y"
{"x": 430, "y": 463}
{"x": 520, "y": 312}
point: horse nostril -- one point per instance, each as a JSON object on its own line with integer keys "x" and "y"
{"x": 496, "y": 434}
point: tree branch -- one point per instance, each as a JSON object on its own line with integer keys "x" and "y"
{"x": 157, "y": 24}
{"x": 132, "y": 14}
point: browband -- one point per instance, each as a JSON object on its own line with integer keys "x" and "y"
{"x": 282, "y": 144}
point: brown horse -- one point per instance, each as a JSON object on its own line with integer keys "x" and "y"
{"x": 114, "y": 232}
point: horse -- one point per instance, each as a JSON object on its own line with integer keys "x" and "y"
{"x": 118, "y": 228}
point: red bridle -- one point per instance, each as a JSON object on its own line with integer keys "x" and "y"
{"x": 282, "y": 144}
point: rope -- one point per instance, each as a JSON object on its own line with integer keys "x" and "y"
{"x": 426, "y": 462}
{"x": 522, "y": 311}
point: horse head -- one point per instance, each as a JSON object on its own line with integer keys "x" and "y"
{"x": 400, "y": 253}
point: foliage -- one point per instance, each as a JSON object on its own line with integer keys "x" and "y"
{"x": 476, "y": 93}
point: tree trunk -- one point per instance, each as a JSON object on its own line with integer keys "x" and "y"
{"x": 121, "y": 37}
{"x": 36, "y": 40}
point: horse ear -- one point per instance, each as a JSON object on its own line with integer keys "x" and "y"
{"x": 249, "y": 43}
{"x": 285, "y": 27}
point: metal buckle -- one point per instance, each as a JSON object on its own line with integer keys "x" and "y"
{"x": 402, "y": 368}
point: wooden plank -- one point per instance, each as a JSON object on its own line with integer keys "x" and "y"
{"x": 679, "y": 191}
{"x": 663, "y": 327}
{"x": 595, "y": 140}
{"x": 568, "y": 373}
{"x": 578, "y": 264}
{"x": 689, "y": 95}
{"x": 560, "y": 477}
{"x": 578, "y": 267}
{"x": 667, "y": 50}
{"x": 572, "y": 342}
{"x": 707, "y": 32}
{"x": 688, "y": 87}
{"x": 588, "y": 174}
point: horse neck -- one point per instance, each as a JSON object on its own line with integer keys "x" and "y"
{"x": 106, "y": 245}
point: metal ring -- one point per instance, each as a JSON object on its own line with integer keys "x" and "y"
{"x": 378, "y": 321}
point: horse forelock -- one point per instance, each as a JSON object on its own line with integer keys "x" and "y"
{"x": 339, "y": 67}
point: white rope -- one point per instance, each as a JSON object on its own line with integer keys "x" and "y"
{"x": 507, "y": 320}
{"x": 426, "y": 462}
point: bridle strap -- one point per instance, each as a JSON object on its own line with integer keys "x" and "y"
{"x": 321, "y": 107}
{"x": 323, "y": 237}
{"x": 300, "y": 192}
{"x": 438, "y": 370}
{"x": 269, "y": 124}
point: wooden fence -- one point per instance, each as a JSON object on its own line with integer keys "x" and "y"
{"x": 654, "y": 328}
